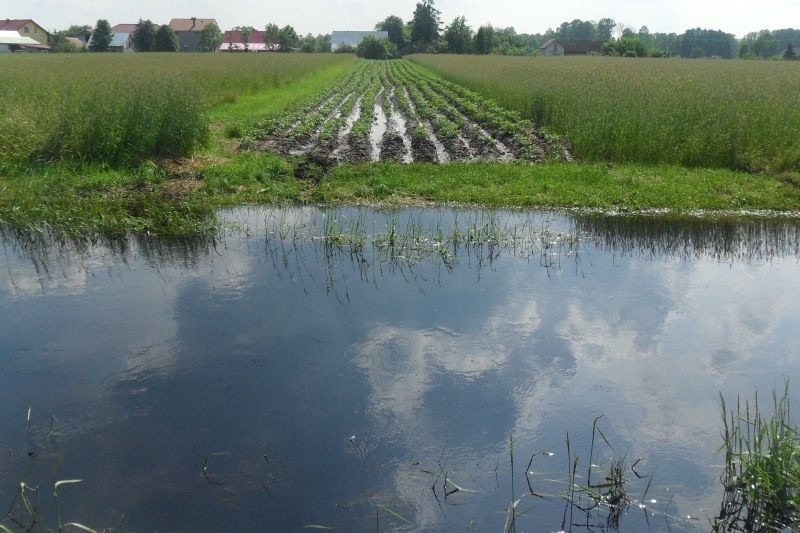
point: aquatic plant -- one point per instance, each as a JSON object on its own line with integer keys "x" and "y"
{"x": 761, "y": 478}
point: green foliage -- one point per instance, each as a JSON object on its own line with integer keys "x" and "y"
{"x": 166, "y": 40}
{"x": 459, "y": 36}
{"x": 396, "y": 28}
{"x": 762, "y": 468}
{"x": 288, "y": 39}
{"x": 59, "y": 43}
{"x": 272, "y": 35}
{"x": 101, "y": 36}
{"x": 789, "y": 54}
{"x": 424, "y": 26}
{"x": 144, "y": 36}
{"x": 371, "y": 47}
{"x": 483, "y": 40}
{"x": 625, "y": 47}
{"x": 700, "y": 42}
{"x": 210, "y": 38}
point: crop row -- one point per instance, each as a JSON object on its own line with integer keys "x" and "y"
{"x": 396, "y": 110}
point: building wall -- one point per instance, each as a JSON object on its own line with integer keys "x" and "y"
{"x": 34, "y": 31}
{"x": 190, "y": 41}
{"x": 554, "y": 49}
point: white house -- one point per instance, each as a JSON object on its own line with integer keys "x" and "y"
{"x": 351, "y": 39}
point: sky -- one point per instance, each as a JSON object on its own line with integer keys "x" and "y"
{"x": 315, "y": 16}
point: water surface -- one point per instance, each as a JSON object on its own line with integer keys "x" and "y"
{"x": 333, "y": 368}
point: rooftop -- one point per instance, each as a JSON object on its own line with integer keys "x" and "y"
{"x": 190, "y": 24}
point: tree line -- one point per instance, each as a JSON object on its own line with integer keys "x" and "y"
{"x": 425, "y": 33}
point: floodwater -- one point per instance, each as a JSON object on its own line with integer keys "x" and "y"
{"x": 272, "y": 379}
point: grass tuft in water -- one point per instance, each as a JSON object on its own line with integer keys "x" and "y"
{"x": 761, "y": 479}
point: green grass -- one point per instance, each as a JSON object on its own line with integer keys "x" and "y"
{"x": 700, "y": 113}
{"x": 122, "y": 109}
{"x": 762, "y": 467}
{"x": 626, "y": 187}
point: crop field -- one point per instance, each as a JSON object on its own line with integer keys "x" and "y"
{"x": 120, "y": 109}
{"x": 396, "y": 111}
{"x": 697, "y": 113}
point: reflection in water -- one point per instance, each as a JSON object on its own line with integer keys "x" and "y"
{"x": 318, "y": 367}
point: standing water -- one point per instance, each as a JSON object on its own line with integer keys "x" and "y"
{"x": 418, "y": 369}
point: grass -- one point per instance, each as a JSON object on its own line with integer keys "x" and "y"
{"x": 112, "y": 187}
{"x": 697, "y": 113}
{"x": 121, "y": 110}
{"x": 761, "y": 479}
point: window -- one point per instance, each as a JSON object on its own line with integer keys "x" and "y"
{"x": 27, "y": 29}
{"x": 35, "y": 30}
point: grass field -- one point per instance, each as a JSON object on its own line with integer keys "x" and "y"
{"x": 699, "y": 113}
{"x": 153, "y": 143}
{"x": 122, "y": 109}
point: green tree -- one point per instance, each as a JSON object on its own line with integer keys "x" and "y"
{"x": 371, "y": 47}
{"x": 789, "y": 54}
{"x": 210, "y": 38}
{"x": 605, "y": 29}
{"x": 272, "y": 35}
{"x": 246, "y": 31}
{"x": 101, "y": 36}
{"x": 144, "y": 36}
{"x": 483, "y": 40}
{"x": 287, "y": 39}
{"x": 308, "y": 44}
{"x": 395, "y": 26}
{"x": 458, "y": 36}
{"x": 59, "y": 42}
{"x": 166, "y": 40}
{"x": 424, "y": 26}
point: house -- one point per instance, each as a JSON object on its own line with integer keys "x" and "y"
{"x": 11, "y": 41}
{"x": 351, "y": 39}
{"x": 233, "y": 41}
{"x": 26, "y": 28}
{"x": 188, "y": 31}
{"x": 570, "y": 47}
{"x": 122, "y": 40}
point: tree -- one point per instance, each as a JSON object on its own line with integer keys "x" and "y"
{"x": 166, "y": 40}
{"x": 287, "y": 39}
{"x": 144, "y": 36}
{"x": 483, "y": 40}
{"x": 210, "y": 38}
{"x": 272, "y": 35}
{"x": 396, "y": 28}
{"x": 59, "y": 42}
{"x": 605, "y": 29}
{"x": 101, "y": 36}
{"x": 458, "y": 36}
{"x": 246, "y": 31}
{"x": 789, "y": 54}
{"x": 371, "y": 47}
{"x": 424, "y": 26}
{"x": 308, "y": 44}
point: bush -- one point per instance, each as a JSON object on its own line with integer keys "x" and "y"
{"x": 373, "y": 48}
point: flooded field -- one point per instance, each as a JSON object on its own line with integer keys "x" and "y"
{"x": 389, "y": 370}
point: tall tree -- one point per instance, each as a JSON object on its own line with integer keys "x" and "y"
{"x": 287, "y": 39}
{"x": 396, "y": 28}
{"x": 483, "y": 40}
{"x": 424, "y": 26}
{"x": 458, "y": 36}
{"x": 144, "y": 36}
{"x": 272, "y": 35}
{"x": 789, "y": 53}
{"x": 210, "y": 37}
{"x": 605, "y": 29}
{"x": 166, "y": 40}
{"x": 101, "y": 36}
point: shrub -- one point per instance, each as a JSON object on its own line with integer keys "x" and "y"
{"x": 373, "y": 48}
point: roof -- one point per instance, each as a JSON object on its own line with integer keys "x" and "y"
{"x": 12, "y": 37}
{"x": 124, "y": 28}
{"x": 191, "y": 24}
{"x": 76, "y": 42}
{"x": 575, "y": 46}
{"x": 352, "y": 38}
{"x": 13, "y": 24}
{"x": 17, "y": 24}
{"x": 119, "y": 39}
